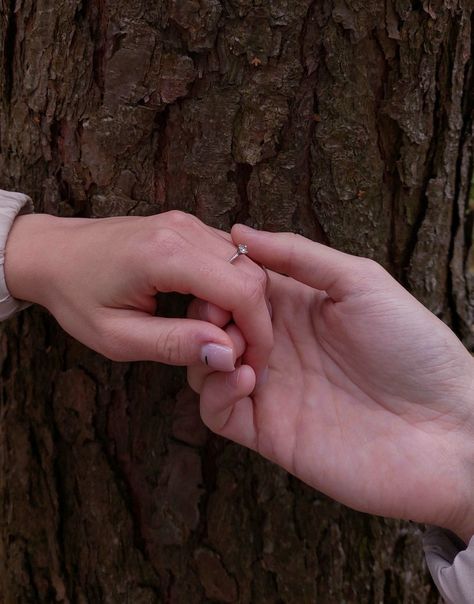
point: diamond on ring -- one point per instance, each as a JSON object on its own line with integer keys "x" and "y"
{"x": 242, "y": 250}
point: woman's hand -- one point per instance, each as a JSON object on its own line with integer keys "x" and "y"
{"x": 369, "y": 396}
{"x": 99, "y": 278}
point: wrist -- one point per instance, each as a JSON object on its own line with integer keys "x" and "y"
{"x": 30, "y": 248}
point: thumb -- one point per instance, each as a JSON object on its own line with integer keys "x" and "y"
{"x": 129, "y": 335}
{"x": 227, "y": 407}
{"x": 306, "y": 261}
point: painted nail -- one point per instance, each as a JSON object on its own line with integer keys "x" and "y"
{"x": 262, "y": 377}
{"x": 220, "y": 358}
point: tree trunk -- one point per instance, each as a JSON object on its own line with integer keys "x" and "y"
{"x": 347, "y": 121}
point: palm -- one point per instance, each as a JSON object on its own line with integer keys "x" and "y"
{"x": 359, "y": 393}
{"x": 369, "y": 395}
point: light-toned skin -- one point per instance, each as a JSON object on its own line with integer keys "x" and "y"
{"x": 369, "y": 397}
{"x": 99, "y": 278}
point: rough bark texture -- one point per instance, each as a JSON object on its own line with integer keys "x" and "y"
{"x": 349, "y": 121}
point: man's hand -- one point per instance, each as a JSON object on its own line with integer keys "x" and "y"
{"x": 369, "y": 397}
{"x": 99, "y": 278}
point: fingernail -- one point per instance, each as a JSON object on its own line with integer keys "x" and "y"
{"x": 262, "y": 377}
{"x": 233, "y": 378}
{"x": 220, "y": 358}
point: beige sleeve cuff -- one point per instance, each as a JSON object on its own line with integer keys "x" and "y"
{"x": 451, "y": 565}
{"x": 11, "y": 206}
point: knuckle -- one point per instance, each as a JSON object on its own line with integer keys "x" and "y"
{"x": 178, "y": 219}
{"x": 370, "y": 267}
{"x": 254, "y": 289}
{"x": 368, "y": 274}
{"x": 168, "y": 346}
{"x": 167, "y": 242}
{"x": 259, "y": 275}
{"x": 296, "y": 239}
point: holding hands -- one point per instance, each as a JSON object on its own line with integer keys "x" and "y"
{"x": 323, "y": 363}
{"x": 369, "y": 397}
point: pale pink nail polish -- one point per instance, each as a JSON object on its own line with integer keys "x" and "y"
{"x": 218, "y": 357}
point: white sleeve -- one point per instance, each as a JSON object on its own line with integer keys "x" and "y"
{"x": 451, "y": 564}
{"x": 11, "y": 206}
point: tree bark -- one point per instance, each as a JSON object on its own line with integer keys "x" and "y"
{"x": 349, "y": 122}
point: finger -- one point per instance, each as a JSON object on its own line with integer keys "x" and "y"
{"x": 198, "y": 373}
{"x": 227, "y": 408}
{"x": 194, "y": 270}
{"x": 219, "y": 237}
{"x": 312, "y": 263}
{"x": 127, "y": 335}
{"x": 206, "y": 311}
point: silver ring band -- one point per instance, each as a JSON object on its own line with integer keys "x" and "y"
{"x": 242, "y": 250}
